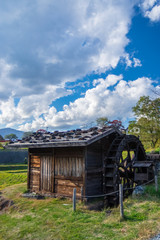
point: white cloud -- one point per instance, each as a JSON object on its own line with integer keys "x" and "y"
{"x": 98, "y": 101}
{"x": 39, "y": 104}
{"x": 147, "y": 4}
{"x": 151, "y": 9}
{"x": 127, "y": 60}
{"x": 154, "y": 14}
{"x": 131, "y": 61}
{"x": 46, "y": 43}
{"x": 137, "y": 62}
{"x": 29, "y": 107}
{"x": 8, "y": 111}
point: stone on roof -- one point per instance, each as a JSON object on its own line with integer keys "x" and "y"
{"x": 77, "y": 136}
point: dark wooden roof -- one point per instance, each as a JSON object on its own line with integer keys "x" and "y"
{"x": 71, "y": 138}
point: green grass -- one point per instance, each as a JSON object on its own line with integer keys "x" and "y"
{"x": 3, "y": 144}
{"x": 54, "y": 218}
{"x": 153, "y": 150}
{"x": 12, "y": 174}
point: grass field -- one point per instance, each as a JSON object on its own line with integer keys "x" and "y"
{"x": 54, "y": 219}
{"x": 12, "y": 174}
{"x": 3, "y": 144}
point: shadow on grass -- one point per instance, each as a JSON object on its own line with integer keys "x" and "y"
{"x": 15, "y": 168}
{"x": 25, "y": 171}
{"x": 135, "y": 218}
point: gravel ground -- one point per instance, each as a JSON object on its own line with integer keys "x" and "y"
{"x": 156, "y": 237}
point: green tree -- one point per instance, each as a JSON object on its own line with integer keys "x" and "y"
{"x": 1, "y": 146}
{"x": 11, "y": 137}
{"x": 27, "y": 134}
{"x": 102, "y": 121}
{"x": 1, "y": 138}
{"x": 147, "y": 123}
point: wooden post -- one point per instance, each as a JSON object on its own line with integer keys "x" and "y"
{"x": 74, "y": 199}
{"x": 121, "y": 201}
{"x": 156, "y": 182}
{"x": 81, "y": 194}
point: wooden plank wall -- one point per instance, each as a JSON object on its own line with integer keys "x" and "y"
{"x": 94, "y": 165}
{"x": 69, "y": 166}
{"x": 69, "y": 170}
{"x": 46, "y": 173}
{"x": 57, "y": 171}
{"x": 35, "y": 168}
{"x": 94, "y": 169}
{"x": 34, "y": 178}
{"x": 65, "y": 187}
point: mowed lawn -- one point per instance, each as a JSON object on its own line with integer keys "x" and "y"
{"x": 54, "y": 219}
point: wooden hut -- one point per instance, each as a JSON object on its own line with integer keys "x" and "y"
{"x": 61, "y": 161}
{"x": 92, "y": 159}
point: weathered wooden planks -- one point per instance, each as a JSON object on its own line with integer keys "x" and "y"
{"x": 94, "y": 167}
{"x": 58, "y": 172}
{"x": 69, "y": 166}
{"x": 65, "y": 187}
{"x": 141, "y": 176}
{"x": 69, "y": 170}
{"x": 62, "y": 169}
{"x": 46, "y": 173}
{"x": 34, "y": 173}
{"x": 69, "y": 152}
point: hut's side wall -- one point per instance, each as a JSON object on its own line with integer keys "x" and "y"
{"x": 94, "y": 165}
{"x": 94, "y": 168}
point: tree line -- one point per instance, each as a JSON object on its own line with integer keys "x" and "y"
{"x": 13, "y": 137}
{"x": 146, "y": 124}
{"x": 147, "y": 121}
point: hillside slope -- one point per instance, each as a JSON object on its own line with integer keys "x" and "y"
{"x": 6, "y": 131}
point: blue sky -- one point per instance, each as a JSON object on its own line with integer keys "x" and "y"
{"x": 64, "y": 65}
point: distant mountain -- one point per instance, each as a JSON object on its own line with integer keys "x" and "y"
{"x": 6, "y": 131}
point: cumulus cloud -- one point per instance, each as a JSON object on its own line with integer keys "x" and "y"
{"x": 154, "y": 14}
{"x": 29, "y": 107}
{"x": 147, "y": 4}
{"x": 136, "y": 62}
{"x": 151, "y": 9}
{"x": 46, "y": 44}
{"x": 98, "y": 101}
{"x": 51, "y": 42}
{"x": 131, "y": 61}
